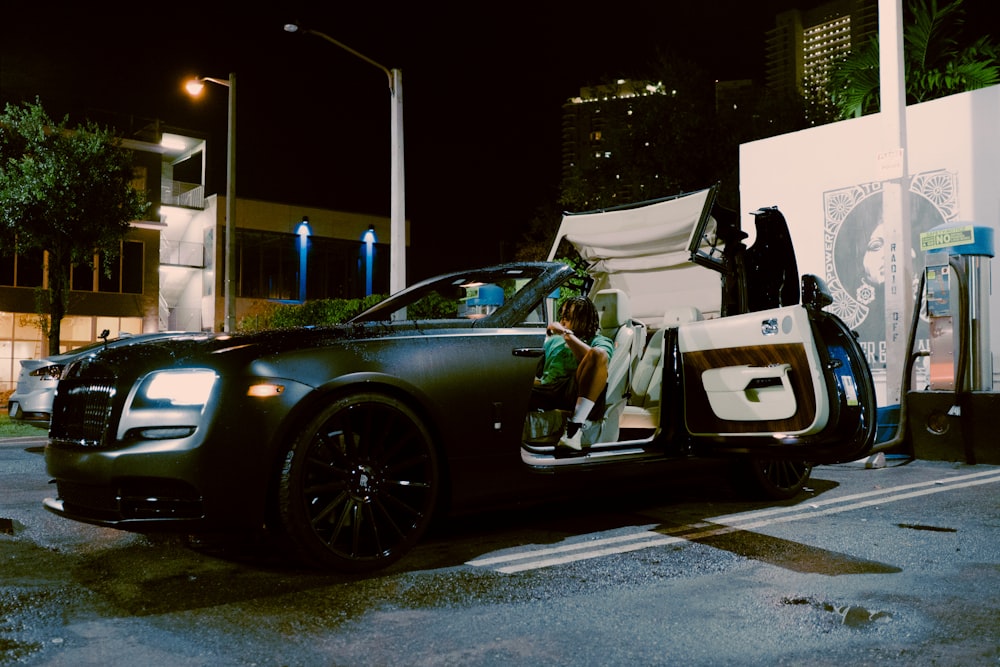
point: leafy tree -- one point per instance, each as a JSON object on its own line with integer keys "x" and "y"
{"x": 536, "y": 239}
{"x": 939, "y": 61}
{"x": 66, "y": 192}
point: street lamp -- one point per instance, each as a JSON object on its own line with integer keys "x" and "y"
{"x": 397, "y": 215}
{"x": 194, "y": 88}
{"x": 303, "y": 230}
{"x": 369, "y": 240}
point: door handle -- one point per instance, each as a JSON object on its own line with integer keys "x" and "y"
{"x": 528, "y": 351}
{"x": 750, "y": 393}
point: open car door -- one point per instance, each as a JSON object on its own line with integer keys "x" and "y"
{"x": 787, "y": 382}
{"x": 756, "y": 370}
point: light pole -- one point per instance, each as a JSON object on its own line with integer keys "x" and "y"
{"x": 194, "y": 88}
{"x": 397, "y": 207}
{"x": 894, "y": 173}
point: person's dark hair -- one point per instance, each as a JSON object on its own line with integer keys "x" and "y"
{"x": 581, "y": 311}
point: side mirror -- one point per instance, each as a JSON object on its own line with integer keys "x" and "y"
{"x": 815, "y": 293}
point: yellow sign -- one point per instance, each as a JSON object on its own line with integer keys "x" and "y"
{"x": 945, "y": 238}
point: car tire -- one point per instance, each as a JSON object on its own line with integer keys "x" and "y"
{"x": 359, "y": 484}
{"x": 776, "y": 479}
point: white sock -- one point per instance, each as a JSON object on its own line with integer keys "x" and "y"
{"x": 583, "y": 408}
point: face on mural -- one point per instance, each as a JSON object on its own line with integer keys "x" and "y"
{"x": 857, "y": 250}
{"x": 874, "y": 257}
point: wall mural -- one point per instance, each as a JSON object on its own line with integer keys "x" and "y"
{"x": 854, "y": 250}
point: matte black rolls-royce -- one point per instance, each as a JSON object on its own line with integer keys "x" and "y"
{"x": 347, "y": 440}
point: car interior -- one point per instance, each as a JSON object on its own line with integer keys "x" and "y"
{"x": 635, "y": 375}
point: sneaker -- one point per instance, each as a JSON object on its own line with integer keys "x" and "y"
{"x": 573, "y": 441}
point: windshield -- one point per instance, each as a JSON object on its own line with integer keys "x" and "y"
{"x": 465, "y": 296}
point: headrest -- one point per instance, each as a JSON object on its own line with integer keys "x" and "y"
{"x": 613, "y": 308}
{"x": 680, "y": 314}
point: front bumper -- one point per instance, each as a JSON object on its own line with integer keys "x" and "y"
{"x": 146, "y": 484}
{"x": 164, "y": 469}
{"x": 120, "y": 509}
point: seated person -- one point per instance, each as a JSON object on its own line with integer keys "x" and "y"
{"x": 575, "y": 371}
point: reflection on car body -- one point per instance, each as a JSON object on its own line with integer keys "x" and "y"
{"x": 345, "y": 441}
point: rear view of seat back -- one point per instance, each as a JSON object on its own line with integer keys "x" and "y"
{"x": 617, "y": 324}
{"x": 648, "y": 380}
{"x": 679, "y": 315}
{"x": 628, "y": 335}
{"x": 643, "y": 409}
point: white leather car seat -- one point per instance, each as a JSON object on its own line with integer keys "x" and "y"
{"x": 643, "y": 408}
{"x": 629, "y": 336}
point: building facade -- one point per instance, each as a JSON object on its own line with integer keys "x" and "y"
{"x": 170, "y": 273}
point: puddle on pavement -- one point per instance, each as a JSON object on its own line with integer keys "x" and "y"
{"x": 852, "y": 616}
{"x": 29, "y": 618}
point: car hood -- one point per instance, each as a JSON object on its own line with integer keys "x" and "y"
{"x": 221, "y": 350}
{"x": 65, "y": 358}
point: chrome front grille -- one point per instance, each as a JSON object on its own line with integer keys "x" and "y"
{"x": 81, "y": 413}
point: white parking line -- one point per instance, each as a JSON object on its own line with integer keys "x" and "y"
{"x": 533, "y": 558}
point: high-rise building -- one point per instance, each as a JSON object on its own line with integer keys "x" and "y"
{"x": 609, "y": 158}
{"x": 804, "y": 44}
{"x": 593, "y": 126}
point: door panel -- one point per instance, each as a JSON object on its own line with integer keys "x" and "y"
{"x": 756, "y": 374}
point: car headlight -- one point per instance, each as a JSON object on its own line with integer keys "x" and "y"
{"x": 176, "y": 388}
{"x": 168, "y": 404}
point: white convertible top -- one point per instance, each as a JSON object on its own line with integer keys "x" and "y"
{"x": 643, "y": 250}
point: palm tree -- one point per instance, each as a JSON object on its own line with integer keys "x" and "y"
{"x": 938, "y": 61}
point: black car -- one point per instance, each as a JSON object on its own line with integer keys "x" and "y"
{"x": 347, "y": 440}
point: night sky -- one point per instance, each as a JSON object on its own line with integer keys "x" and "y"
{"x": 482, "y": 87}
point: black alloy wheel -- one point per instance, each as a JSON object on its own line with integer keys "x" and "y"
{"x": 778, "y": 479}
{"x": 359, "y": 485}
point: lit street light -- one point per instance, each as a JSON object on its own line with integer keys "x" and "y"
{"x": 369, "y": 240}
{"x": 397, "y": 216}
{"x": 194, "y": 88}
{"x": 303, "y": 231}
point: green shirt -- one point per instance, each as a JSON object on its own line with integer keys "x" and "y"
{"x": 561, "y": 363}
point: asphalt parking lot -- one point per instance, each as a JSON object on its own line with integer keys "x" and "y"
{"x": 897, "y": 565}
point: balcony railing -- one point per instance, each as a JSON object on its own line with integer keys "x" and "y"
{"x": 182, "y": 253}
{"x": 178, "y": 193}
{"x": 181, "y": 319}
